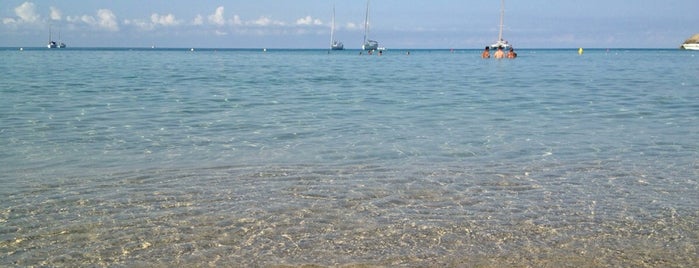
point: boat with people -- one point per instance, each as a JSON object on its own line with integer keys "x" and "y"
{"x": 334, "y": 44}
{"x": 368, "y": 44}
{"x": 501, "y": 43}
{"x": 692, "y": 43}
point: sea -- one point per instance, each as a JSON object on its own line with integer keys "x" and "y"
{"x": 314, "y": 158}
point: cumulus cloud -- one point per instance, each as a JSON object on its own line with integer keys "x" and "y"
{"x": 352, "y": 26}
{"x": 198, "y": 20}
{"x": 236, "y": 20}
{"x": 218, "y": 18}
{"x": 308, "y": 20}
{"x": 26, "y": 13}
{"x": 164, "y": 20}
{"x": 84, "y": 18}
{"x": 56, "y": 14}
{"x": 155, "y": 21}
{"x": 265, "y": 21}
{"x": 142, "y": 24}
{"x": 105, "y": 20}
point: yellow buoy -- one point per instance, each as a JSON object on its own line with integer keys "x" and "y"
{"x": 580, "y": 51}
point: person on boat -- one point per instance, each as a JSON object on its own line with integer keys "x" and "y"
{"x": 511, "y": 54}
{"x": 499, "y": 54}
{"x": 486, "y": 53}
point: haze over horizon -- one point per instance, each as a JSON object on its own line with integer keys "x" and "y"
{"x": 306, "y": 23}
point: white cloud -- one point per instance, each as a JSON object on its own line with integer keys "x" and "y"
{"x": 142, "y": 24}
{"x": 265, "y": 21}
{"x": 198, "y": 20}
{"x": 105, "y": 19}
{"x": 236, "y": 20}
{"x": 262, "y": 21}
{"x": 56, "y": 14}
{"x": 308, "y": 20}
{"x": 89, "y": 20}
{"x": 166, "y": 20}
{"x": 155, "y": 21}
{"x": 26, "y": 13}
{"x": 352, "y": 26}
{"x": 217, "y": 18}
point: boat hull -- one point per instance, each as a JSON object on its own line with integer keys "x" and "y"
{"x": 504, "y": 46}
{"x": 337, "y": 46}
{"x": 370, "y": 45}
{"x": 690, "y": 46}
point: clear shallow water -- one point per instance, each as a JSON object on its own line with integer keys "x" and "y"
{"x": 238, "y": 157}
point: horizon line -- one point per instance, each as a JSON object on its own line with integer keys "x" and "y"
{"x": 316, "y": 48}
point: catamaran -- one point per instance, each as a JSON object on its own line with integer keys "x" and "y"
{"x": 368, "y": 43}
{"x": 501, "y": 42}
{"x": 334, "y": 44}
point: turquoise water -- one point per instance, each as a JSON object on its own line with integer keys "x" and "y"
{"x": 120, "y": 157}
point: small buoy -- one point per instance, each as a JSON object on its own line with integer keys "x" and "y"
{"x": 580, "y": 51}
{"x": 264, "y": 50}
{"x": 191, "y": 49}
{"x": 21, "y": 49}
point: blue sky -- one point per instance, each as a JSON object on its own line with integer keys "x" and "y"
{"x": 306, "y": 23}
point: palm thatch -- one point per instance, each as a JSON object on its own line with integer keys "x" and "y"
{"x": 692, "y": 40}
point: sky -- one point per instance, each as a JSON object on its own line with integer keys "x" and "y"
{"x": 413, "y": 24}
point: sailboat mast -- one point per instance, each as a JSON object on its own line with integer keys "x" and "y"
{"x": 49, "y": 33}
{"x": 332, "y": 28}
{"x": 502, "y": 18}
{"x": 366, "y": 22}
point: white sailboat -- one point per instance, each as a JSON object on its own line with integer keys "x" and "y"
{"x": 334, "y": 44}
{"x": 54, "y": 44}
{"x": 501, "y": 42}
{"x": 51, "y": 43}
{"x": 368, "y": 43}
{"x": 60, "y": 43}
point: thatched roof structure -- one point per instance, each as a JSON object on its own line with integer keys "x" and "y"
{"x": 692, "y": 40}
